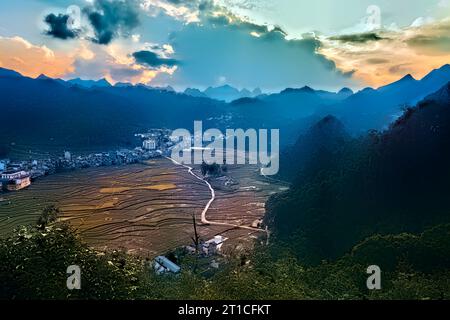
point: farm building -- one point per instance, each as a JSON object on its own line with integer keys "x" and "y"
{"x": 163, "y": 265}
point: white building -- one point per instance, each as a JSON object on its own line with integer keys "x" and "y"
{"x": 149, "y": 144}
{"x": 11, "y": 175}
{"x": 16, "y": 180}
{"x": 214, "y": 245}
{"x": 67, "y": 156}
{"x": 163, "y": 265}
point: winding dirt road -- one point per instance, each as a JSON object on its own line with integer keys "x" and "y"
{"x": 204, "y": 220}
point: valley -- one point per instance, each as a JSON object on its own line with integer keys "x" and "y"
{"x": 144, "y": 209}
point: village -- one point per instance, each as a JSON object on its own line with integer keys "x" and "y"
{"x": 18, "y": 175}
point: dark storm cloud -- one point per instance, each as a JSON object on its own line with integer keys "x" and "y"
{"x": 59, "y": 27}
{"x": 359, "y": 37}
{"x": 109, "y": 19}
{"x": 151, "y": 59}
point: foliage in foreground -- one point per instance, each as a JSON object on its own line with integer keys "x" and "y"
{"x": 34, "y": 261}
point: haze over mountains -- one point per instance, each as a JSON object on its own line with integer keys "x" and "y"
{"x": 223, "y": 93}
{"x": 54, "y": 113}
{"x": 90, "y": 83}
{"x": 377, "y": 108}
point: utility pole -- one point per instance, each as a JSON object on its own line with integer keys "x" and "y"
{"x": 196, "y": 238}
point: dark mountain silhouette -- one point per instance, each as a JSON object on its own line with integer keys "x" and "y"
{"x": 377, "y": 108}
{"x": 166, "y": 88}
{"x": 380, "y": 183}
{"x": 45, "y": 115}
{"x": 97, "y": 107}
{"x": 290, "y": 105}
{"x": 195, "y": 93}
{"x": 305, "y": 89}
{"x": 43, "y": 77}
{"x": 313, "y": 148}
{"x": 244, "y": 101}
{"x": 89, "y": 83}
{"x": 123, "y": 84}
{"x": 5, "y": 73}
{"x": 441, "y": 96}
{"x": 225, "y": 93}
{"x": 256, "y": 92}
{"x": 402, "y": 84}
{"x": 345, "y": 92}
{"x": 327, "y": 130}
{"x": 436, "y": 77}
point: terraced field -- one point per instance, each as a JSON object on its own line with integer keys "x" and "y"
{"x": 145, "y": 208}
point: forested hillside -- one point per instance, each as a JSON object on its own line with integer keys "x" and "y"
{"x": 382, "y": 183}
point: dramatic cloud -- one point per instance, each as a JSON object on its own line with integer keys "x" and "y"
{"x": 249, "y": 55}
{"x": 151, "y": 59}
{"x": 86, "y": 60}
{"x": 214, "y": 42}
{"x": 18, "y": 54}
{"x": 115, "y": 64}
{"x": 58, "y": 26}
{"x": 111, "y": 19}
{"x": 416, "y": 50}
{"x": 108, "y": 19}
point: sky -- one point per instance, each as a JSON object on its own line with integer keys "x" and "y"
{"x": 270, "y": 44}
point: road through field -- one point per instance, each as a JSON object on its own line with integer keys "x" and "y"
{"x": 145, "y": 209}
{"x": 213, "y": 197}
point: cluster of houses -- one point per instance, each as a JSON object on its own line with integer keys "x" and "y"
{"x": 156, "y": 139}
{"x": 14, "y": 180}
{"x": 19, "y": 175}
{"x": 104, "y": 159}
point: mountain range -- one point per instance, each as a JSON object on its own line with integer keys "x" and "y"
{"x": 345, "y": 189}
{"x": 225, "y": 93}
{"x": 54, "y": 113}
{"x": 89, "y": 83}
{"x": 377, "y": 108}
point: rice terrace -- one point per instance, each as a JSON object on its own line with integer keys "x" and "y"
{"x": 145, "y": 209}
